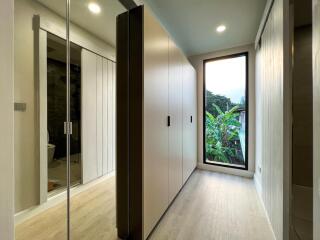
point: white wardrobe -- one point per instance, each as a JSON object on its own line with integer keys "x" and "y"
{"x": 170, "y": 126}
{"x": 98, "y": 116}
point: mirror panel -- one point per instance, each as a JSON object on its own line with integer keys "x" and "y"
{"x": 42, "y": 151}
{"x": 40, "y": 112}
{"x": 92, "y": 203}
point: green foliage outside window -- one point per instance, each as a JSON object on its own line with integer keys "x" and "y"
{"x": 222, "y": 130}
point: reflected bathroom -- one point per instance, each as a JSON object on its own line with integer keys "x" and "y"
{"x": 56, "y": 109}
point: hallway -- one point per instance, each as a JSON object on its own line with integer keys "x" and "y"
{"x": 210, "y": 206}
{"x": 215, "y": 206}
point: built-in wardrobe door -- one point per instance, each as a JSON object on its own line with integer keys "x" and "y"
{"x": 189, "y": 120}
{"x": 194, "y": 113}
{"x": 108, "y": 116}
{"x": 91, "y": 111}
{"x": 105, "y": 117}
{"x": 155, "y": 149}
{"x": 175, "y": 113}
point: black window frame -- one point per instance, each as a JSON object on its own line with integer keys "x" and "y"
{"x": 241, "y": 54}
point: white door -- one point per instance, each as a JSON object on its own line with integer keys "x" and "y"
{"x": 91, "y": 116}
{"x": 175, "y": 113}
{"x": 189, "y": 121}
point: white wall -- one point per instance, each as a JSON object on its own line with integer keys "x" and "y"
{"x": 26, "y": 162}
{"x": 316, "y": 119}
{"x": 6, "y": 121}
{"x": 273, "y": 119}
{"x": 197, "y": 62}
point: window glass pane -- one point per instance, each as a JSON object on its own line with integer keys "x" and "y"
{"x": 226, "y": 111}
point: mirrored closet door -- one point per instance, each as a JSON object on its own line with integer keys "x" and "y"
{"x": 40, "y": 95}
{"x": 65, "y": 91}
{"x": 93, "y": 202}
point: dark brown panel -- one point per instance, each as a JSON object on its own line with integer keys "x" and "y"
{"x": 136, "y": 121}
{"x": 122, "y": 128}
{"x": 128, "y": 4}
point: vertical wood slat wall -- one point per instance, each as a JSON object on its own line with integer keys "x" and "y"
{"x": 98, "y": 116}
{"x": 270, "y": 113}
{"x": 169, "y": 153}
{"x": 316, "y": 119}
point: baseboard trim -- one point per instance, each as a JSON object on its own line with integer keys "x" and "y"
{"x": 24, "y": 215}
{"x": 232, "y": 171}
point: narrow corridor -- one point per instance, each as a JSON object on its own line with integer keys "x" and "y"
{"x": 215, "y": 206}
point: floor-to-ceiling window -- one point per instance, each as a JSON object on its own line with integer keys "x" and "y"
{"x": 226, "y": 111}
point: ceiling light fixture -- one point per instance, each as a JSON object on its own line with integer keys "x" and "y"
{"x": 221, "y": 28}
{"x": 94, "y": 8}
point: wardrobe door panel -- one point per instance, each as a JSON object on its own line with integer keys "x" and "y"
{"x": 110, "y": 92}
{"x": 155, "y": 165}
{"x": 89, "y": 116}
{"x": 189, "y": 120}
{"x": 194, "y": 113}
{"x": 105, "y": 117}
{"x": 175, "y": 113}
{"x": 99, "y": 115}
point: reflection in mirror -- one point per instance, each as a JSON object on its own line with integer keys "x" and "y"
{"x": 40, "y": 145}
{"x": 93, "y": 209}
{"x": 41, "y": 148}
{"x": 56, "y": 109}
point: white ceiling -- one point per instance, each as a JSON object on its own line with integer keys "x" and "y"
{"x": 102, "y": 25}
{"x": 192, "y": 23}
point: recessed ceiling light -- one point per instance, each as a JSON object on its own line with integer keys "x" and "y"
{"x": 221, "y": 28}
{"x": 94, "y": 8}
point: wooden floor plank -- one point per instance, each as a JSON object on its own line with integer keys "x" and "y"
{"x": 211, "y": 206}
{"x": 215, "y": 206}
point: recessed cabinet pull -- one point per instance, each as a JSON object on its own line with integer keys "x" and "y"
{"x": 168, "y": 121}
{"x": 191, "y": 118}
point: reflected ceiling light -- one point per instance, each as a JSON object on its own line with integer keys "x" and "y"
{"x": 221, "y": 28}
{"x": 94, "y": 8}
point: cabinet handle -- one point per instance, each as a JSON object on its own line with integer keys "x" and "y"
{"x": 191, "y": 118}
{"x": 67, "y": 128}
{"x": 168, "y": 121}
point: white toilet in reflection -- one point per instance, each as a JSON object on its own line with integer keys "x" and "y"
{"x": 51, "y": 149}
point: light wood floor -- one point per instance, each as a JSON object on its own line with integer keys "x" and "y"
{"x": 214, "y": 206}
{"x": 211, "y": 206}
{"x": 93, "y": 217}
